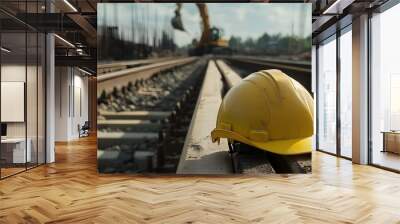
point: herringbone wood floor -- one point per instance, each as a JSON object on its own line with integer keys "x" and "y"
{"x": 71, "y": 191}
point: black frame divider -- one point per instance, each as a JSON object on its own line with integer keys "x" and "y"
{"x": 26, "y": 88}
{"x": 37, "y": 89}
{"x": 316, "y": 97}
{"x": 369, "y": 77}
{"x": 338, "y": 98}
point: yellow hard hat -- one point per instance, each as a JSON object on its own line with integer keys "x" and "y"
{"x": 267, "y": 110}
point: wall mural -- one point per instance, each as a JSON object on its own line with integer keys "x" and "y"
{"x": 204, "y": 88}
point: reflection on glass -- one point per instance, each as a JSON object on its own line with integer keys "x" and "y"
{"x": 385, "y": 114}
{"x": 327, "y": 96}
{"x": 346, "y": 94}
{"x": 394, "y": 102}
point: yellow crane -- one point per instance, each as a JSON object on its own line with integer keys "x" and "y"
{"x": 211, "y": 37}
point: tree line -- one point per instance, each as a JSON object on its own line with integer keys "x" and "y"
{"x": 266, "y": 44}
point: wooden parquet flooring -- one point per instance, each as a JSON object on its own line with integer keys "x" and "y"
{"x": 71, "y": 191}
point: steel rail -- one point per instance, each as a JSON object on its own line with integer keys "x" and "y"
{"x": 123, "y": 135}
{"x": 230, "y": 76}
{"x": 107, "y": 82}
{"x": 120, "y": 65}
{"x": 200, "y": 155}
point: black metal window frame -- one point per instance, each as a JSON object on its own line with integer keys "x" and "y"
{"x": 339, "y": 32}
{"x": 382, "y": 8}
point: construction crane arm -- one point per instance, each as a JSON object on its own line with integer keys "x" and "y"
{"x": 202, "y": 7}
{"x": 205, "y": 36}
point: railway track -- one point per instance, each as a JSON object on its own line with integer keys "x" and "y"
{"x": 249, "y": 160}
{"x": 161, "y": 122}
{"x": 302, "y": 66}
{"x": 200, "y": 156}
{"x": 142, "y": 124}
{"x": 105, "y": 68}
{"x": 252, "y": 162}
{"x": 118, "y": 78}
{"x": 299, "y": 70}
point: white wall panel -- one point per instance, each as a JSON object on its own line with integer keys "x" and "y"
{"x": 12, "y": 101}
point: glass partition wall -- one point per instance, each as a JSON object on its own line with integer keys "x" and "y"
{"x": 22, "y": 77}
{"x": 13, "y": 90}
{"x": 334, "y": 94}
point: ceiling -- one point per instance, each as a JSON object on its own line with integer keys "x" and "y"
{"x": 76, "y": 21}
{"x": 330, "y": 15}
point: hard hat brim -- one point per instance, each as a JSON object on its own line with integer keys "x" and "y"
{"x": 282, "y": 147}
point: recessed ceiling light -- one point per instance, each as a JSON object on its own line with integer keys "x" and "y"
{"x": 86, "y": 72}
{"x": 70, "y": 5}
{"x": 333, "y": 6}
{"x": 5, "y": 50}
{"x": 337, "y": 7}
{"x": 64, "y": 40}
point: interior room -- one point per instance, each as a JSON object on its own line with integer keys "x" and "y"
{"x": 29, "y": 103}
{"x": 22, "y": 100}
{"x": 71, "y": 111}
{"x": 54, "y": 112}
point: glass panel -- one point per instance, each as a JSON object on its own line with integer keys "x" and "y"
{"x": 23, "y": 88}
{"x": 13, "y": 87}
{"x": 31, "y": 98}
{"x": 327, "y": 96}
{"x": 346, "y": 94}
{"x": 41, "y": 99}
{"x": 385, "y": 83}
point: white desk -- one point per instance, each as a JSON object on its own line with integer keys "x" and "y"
{"x": 18, "y": 149}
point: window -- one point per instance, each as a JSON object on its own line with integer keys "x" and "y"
{"x": 327, "y": 96}
{"x": 385, "y": 89}
{"x": 346, "y": 93}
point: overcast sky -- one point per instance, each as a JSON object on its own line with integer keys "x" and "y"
{"x": 239, "y": 19}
